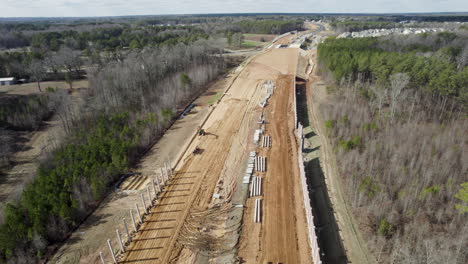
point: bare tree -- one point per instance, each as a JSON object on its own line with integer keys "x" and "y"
{"x": 381, "y": 94}
{"x": 237, "y": 39}
{"x": 462, "y": 60}
{"x": 51, "y": 63}
{"x": 71, "y": 61}
{"x": 37, "y": 72}
{"x": 398, "y": 82}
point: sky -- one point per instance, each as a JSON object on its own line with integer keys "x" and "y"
{"x": 83, "y": 8}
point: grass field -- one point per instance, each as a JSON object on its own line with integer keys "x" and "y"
{"x": 29, "y": 88}
{"x": 259, "y": 37}
{"x": 254, "y": 44}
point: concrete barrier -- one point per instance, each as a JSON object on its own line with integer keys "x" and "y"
{"x": 305, "y": 190}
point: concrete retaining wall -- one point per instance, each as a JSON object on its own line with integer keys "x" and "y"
{"x": 313, "y": 241}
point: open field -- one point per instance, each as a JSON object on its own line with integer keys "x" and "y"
{"x": 257, "y": 40}
{"x": 259, "y": 37}
{"x": 29, "y": 88}
{"x": 254, "y": 44}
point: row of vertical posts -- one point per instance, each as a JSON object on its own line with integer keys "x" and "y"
{"x": 157, "y": 185}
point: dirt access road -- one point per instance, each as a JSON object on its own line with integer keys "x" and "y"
{"x": 229, "y": 135}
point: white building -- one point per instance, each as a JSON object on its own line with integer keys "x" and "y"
{"x": 7, "y": 81}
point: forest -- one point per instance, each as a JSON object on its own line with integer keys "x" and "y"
{"x": 49, "y": 51}
{"x": 269, "y": 26}
{"x": 397, "y": 120}
{"x": 127, "y": 108}
{"x": 435, "y": 63}
{"x": 112, "y": 35}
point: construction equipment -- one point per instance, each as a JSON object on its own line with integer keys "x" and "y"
{"x": 201, "y": 132}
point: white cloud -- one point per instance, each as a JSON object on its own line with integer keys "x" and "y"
{"x": 61, "y": 8}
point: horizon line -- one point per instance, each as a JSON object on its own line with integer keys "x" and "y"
{"x": 462, "y": 13}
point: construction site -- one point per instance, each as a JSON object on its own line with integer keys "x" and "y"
{"x": 227, "y": 186}
{"x": 227, "y": 133}
{"x": 239, "y": 174}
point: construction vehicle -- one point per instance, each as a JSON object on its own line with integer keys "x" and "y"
{"x": 201, "y": 132}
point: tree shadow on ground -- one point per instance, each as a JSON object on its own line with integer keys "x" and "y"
{"x": 310, "y": 150}
{"x": 310, "y": 134}
{"x": 330, "y": 244}
{"x": 301, "y": 100}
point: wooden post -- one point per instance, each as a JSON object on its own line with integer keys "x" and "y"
{"x": 162, "y": 176}
{"x": 111, "y": 250}
{"x": 126, "y": 229}
{"x": 133, "y": 220}
{"x": 139, "y": 214}
{"x": 144, "y": 203}
{"x": 167, "y": 173}
{"x": 157, "y": 181}
{"x": 154, "y": 189}
{"x": 170, "y": 166}
{"x": 122, "y": 249}
{"x": 102, "y": 257}
{"x": 149, "y": 194}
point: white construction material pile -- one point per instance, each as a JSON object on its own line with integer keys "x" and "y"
{"x": 257, "y": 134}
{"x": 256, "y": 186}
{"x": 270, "y": 87}
{"x": 250, "y": 167}
{"x": 260, "y": 164}
{"x": 266, "y": 142}
{"x": 258, "y": 211}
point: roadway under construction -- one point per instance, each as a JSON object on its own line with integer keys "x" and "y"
{"x": 236, "y": 190}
